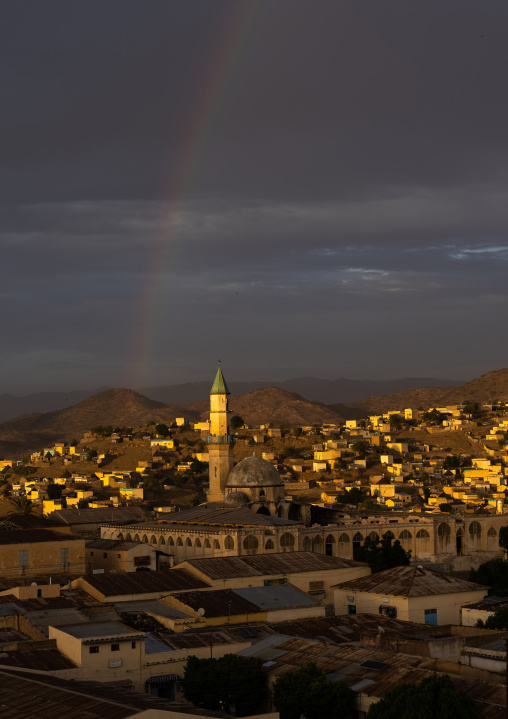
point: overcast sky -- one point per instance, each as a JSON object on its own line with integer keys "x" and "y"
{"x": 293, "y": 186}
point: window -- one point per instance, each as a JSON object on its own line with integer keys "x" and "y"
{"x": 93, "y": 650}
{"x": 229, "y": 543}
{"x": 133, "y": 645}
{"x": 115, "y": 647}
{"x": 64, "y": 556}
{"x": 118, "y": 556}
{"x": 23, "y": 557}
{"x": 351, "y": 608}
{"x": 105, "y": 555}
{"x": 39, "y": 592}
{"x": 91, "y": 554}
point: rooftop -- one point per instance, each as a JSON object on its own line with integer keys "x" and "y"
{"x": 219, "y": 514}
{"x": 33, "y": 536}
{"x": 91, "y": 630}
{"x": 410, "y": 582}
{"x": 129, "y": 583}
{"x": 268, "y": 564}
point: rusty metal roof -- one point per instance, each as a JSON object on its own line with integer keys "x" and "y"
{"x": 342, "y": 629}
{"x": 220, "y": 514}
{"x": 164, "y": 581}
{"x": 99, "y": 515}
{"x": 218, "y": 603}
{"x": 268, "y": 564}
{"x": 42, "y": 659}
{"x": 33, "y": 536}
{"x": 410, "y": 582}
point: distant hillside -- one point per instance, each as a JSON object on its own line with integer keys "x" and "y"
{"x": 126, "y": 408}
{"x": 311, "y": 388}
{"x": 488, "y": 387}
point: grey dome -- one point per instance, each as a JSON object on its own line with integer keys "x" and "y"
{"x": 236, "y": 498}
{"x": 254, "y": 472}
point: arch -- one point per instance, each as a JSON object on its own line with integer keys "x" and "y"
{"x": 145, "y": 539}
{"x": 197, "y": 543}
{"x": 162, "y": 540}
{"x": 229, "y": 542}
{"x": 128, "y": 537}
{"x": 329, "y": 542}
{"x": 136, "y": 538}
{"x": 153, "y": 539}
{"x": 307, "y": 544}
{"x": 405, "y": 534}
{"x": 250, "y": 544}
{"x": 374, "y": 537}
{"x": 207, "y": 544}
{"x": 287, "y": 542}
{"x": 460, "y": 532}
{"x": 120, "y": 537}
{"x": 171, "y": 542}
{"x": 280, "y": 512}
{"x": 492, "y": 532}
{"x": 475, "y": 530}
{"x": 188, "y": 542}
{"x": 317, "y": 543}
{"x": 357, "y": 537}
{"x": 389, "y": 535}
{"x": 263, "y": 510}
{"x": 422, "y": 534}
{"x": 216, "y": 544}
{"x": 262, "y": 494}
{"x": 443, "y": 531}
{"x": 179, "y": 542}
{"x": 269, "y": 544}
{"x": 344, "y": 538}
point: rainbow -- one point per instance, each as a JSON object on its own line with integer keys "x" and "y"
{"x": 205, "y": 115}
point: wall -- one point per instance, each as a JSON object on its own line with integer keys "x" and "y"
{"x": 43, "y": 558}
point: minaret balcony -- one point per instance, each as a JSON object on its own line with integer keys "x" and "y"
{"x": 220, "y": 439}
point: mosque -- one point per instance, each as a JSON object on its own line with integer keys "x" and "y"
{"x": 246, "y": 512}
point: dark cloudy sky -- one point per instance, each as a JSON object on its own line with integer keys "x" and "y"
{"x": 294, "y": 186}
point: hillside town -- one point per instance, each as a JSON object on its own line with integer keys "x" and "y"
{"x": 362, "y": 546}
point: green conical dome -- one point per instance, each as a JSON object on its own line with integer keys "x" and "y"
{"x": 219, "y": 384}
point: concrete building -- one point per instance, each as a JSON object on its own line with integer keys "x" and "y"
{"x": 408, "y": 593}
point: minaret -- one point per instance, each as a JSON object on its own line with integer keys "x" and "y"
{"x": 220, "y": 442}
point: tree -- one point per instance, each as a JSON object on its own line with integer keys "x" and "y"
{"x": 493, "y": 574}
{"x": 54, "y": 491}
{"x": 360, "y": 446}
{"x": 434, "y": 416}
{"x": 382, "y": 554}
{"x": 91, "y": 455}
{"x": 230, "y": 682}
{"x": 162, "y": 430}
{"x": 297, "y": 431}
{"x": 23, "y": 505}
{"x": 197, "y": 467}
{"x": 471, "y": 407}
{"x": 307, "y": 692}
{"x": 426, "y": 493}
{"x": 236, "y": 422}
{"x": 351, "y": 496}
{"x": 23, "y": 470}
{"x": 396, "y": 421}
{"x": 503, "y": 538}
{"x": 434, "y": 696}
{"x": 445, "y": 507}
{"x": 499, "y": 620}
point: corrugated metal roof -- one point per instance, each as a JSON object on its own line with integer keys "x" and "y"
{"x": 218, "y": 603}
{"x": 268, "y": 564}
{"x": 342, "y": 629}
{"x": 116, "y": 544}
{"x": 278, "y": 597}
{"x": 220, "y": 514}
{"x": 46, "y": 660}
{"x": 410, "y": 582}
{"x": 172, "y": 580}
{"x": 33, "y": 536}
{"x": 99, "y": 515}
{"x": 91, "y": 630}
{"x": 22, "y": 520}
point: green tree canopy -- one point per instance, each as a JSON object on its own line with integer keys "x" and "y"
{"x": 307, "y": 692}
{"x": 360, "y": 446}
{"x": 297, "y": 431}
{"x": 236, "y": 422}
{"x": 23, "y": 505}
{"x": 351, "y": 496}
{"x": 231, "y": 682}
{"x": 91, "y": 455}
{"x": 434, "y": 416}
{"x": 503, "y": 538}
{"x": 499, "y": 620}
{"x": 434, "y": 696}
{"x": 162, "y": 430}
{"x": 493, "y": 574}
{"x": 382, "y": 554}
{"x": 23, "y": 470}
{"x": 54, "y": 491}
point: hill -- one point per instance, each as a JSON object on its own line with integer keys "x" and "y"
{"x": 312, "y": 389}
{"x": 490, "y": 386}
{"x": 124, "y": 407}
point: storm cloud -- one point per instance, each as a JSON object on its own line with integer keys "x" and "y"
{"x": 294, "y": 187}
